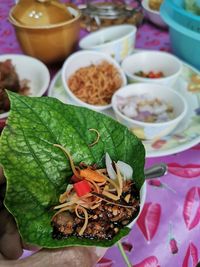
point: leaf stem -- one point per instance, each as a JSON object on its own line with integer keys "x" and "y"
{"x": 123, "y": 253}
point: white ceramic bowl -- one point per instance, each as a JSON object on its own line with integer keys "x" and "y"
{"x": 117, "y": 41}
{"x": 145, "y": 130}
{"x": 31, "y": 69}
{"x": 83, "y": 59}
{"x": 155, "y": 61}
{"x": 143, "y": 195}
{"x": 153, "y": 15}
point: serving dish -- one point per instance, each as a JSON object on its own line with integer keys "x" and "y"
{"x": 153, "y": 63}
{"x": 31, "y": 69}
{"x": 51, "y": 33}
{"x": 183, "y": 137}
{"x": 153, "y": 15}
{"x": 150, "y": 111}
{"x": 80, "y": 67}
{"x": 117, "y": 41}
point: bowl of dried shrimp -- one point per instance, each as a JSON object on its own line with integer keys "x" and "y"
{"x": 90, "y": 78}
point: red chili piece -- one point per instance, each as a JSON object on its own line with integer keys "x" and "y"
{"x": 82, "y": 188}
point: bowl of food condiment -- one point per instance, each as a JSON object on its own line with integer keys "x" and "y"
{"x": 152, "y": 67}
{"x": 150, "y": 110}
{"x": 21, "y": 74}
{"x": 47, "y": 30}
{"x": 152, "y": 12}
{"x": 117, "y": 41}
{"x": 90, "y": 78}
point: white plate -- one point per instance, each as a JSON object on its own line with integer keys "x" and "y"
{"x": 185, "y": 136}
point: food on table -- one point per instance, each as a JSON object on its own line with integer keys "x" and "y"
{"x": 95, "y": 84}
{"x": 150, "y": 74}
{"x": 9, "y": 80}
{"x": 38, "y": 172}
{"x": 155, "y": 4}
{"x": 145, "y": 108}
{"x": 95, "y": 205}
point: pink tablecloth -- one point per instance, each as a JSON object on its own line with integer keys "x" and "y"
{"x": 167, "y": 232}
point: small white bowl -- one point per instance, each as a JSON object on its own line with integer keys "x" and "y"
{"x": 31, "y": 69}
{"x": 117, "y": 41}
{"x": 153, "y": 15}
{"x": 146, "y": 130}
{"x": 143, "y": 196}
{"x": 155, "y": 61}
{"x": 83, "y": 59}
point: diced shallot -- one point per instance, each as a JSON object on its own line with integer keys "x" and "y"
{"x": 125, "y": 169}
{"x": 109, "y": 167}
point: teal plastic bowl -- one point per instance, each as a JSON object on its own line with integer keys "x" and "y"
{"x": 176, "y": 10}
{"x": 185, "y": 43}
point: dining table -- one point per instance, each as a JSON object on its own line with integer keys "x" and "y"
{"x": 167, "y": 232}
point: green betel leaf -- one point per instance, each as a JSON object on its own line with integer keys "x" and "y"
{"x": 38, "y": 172}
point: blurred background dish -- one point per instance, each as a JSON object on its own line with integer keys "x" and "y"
{"x": 160, "y": 67}
{"x": 152, "y": 12}
{"x": 166, "y": 106}
{"x": 184, "y": 31}
{"x": 90, "y": 78}
{"x": 46, "y": 30}
{"x": 98, "y": 14}
{"x": 21, "y": 74}
{"x": 40, "y": 13}
{"x": 117, "y": 41}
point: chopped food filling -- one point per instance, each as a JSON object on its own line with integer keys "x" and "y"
{"x": 150, "y": 74}
{"x": 95, "y": 206}
{"x": 145, "y": 108}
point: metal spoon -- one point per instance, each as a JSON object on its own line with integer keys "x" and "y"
{"x": 155, "y": 171}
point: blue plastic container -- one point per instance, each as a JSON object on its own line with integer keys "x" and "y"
{"x": 176, "y": 10}
{"x": 185, "y": 43}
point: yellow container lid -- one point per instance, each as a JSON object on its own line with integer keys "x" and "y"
{"x": 37, "y": 13}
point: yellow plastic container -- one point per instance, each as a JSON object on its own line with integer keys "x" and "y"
{"x": 46, "y": 30}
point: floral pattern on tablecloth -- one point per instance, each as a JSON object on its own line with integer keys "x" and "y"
{"x": 167, "y": 232}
